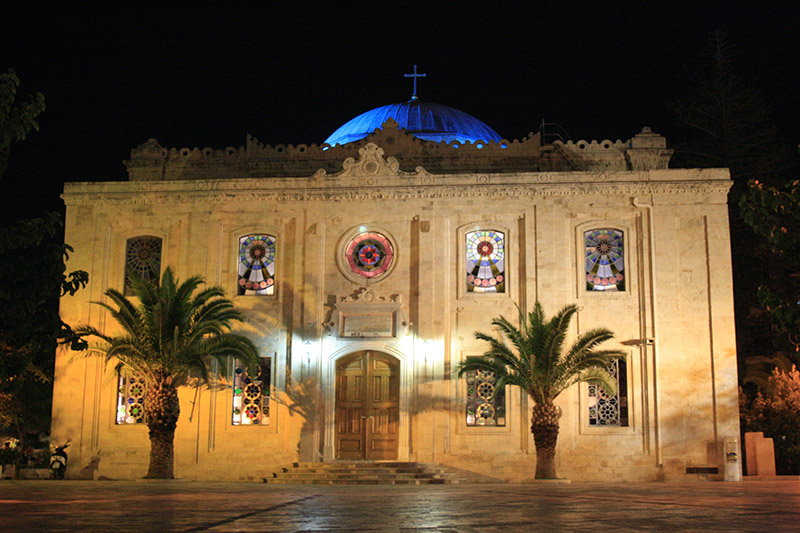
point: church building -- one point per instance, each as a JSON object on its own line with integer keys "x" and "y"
{"x": 364, "y": 266}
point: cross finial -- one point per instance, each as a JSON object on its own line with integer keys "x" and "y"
{"x": 415, "y": 76}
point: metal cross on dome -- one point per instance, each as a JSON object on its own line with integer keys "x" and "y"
{"x": 415, "y": 76}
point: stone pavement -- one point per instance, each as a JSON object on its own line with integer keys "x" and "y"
{"x": 177, "y": 506}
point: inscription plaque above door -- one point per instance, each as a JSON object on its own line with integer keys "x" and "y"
{"x": 365, "y": 315}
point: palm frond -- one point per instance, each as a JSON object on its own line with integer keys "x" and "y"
{"x": 487, "y": 363}
{"x": 176, "y": 329}
{"x": 589, "y": 340}
{"x": 583, "y": 353}
{"x": 557, "y": 330}
{"x": 499, "y": 350}
{"x": 511, "y": 332}
{"x": 594, "y": 376}
{"x": 532, "y": 357}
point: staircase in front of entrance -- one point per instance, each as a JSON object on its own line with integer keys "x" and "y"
{"x": 364, "y": 473}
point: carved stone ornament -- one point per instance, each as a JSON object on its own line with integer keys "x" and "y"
{"x": 371, "y": 165}
{"x": 365, "y": 315}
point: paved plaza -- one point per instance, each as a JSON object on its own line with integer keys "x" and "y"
{"x": 179, "y": 506}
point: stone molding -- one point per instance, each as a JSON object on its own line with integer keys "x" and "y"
{"x": 91, "y": 193}
{"x": 365, "y": 295}
{"x": 364, "y": 305}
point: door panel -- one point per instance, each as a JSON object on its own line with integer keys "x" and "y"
{"x": 367, "y": 406}
{"x": 349, "y": 409}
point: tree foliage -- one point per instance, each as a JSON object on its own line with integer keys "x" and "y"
{"x": 17, "y": 119}
{"x": 533, "y": 357}
{"x": 776, "y": 412}
{"x": 774, "y": 214}
{"x": 173, "y": 331}
{"x": 727, "y": 120}
{"x": 33, "y": 270}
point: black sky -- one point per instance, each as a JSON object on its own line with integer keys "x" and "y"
{"x": 208, "y": 75}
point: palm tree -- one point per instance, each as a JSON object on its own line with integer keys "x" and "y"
{"x": 170, "y": 333}
{"x": 531, "y": 357}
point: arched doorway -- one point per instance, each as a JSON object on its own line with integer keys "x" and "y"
{"x": 367, "y": 406}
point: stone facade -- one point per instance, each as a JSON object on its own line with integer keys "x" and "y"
{"x": 674, "y": 320}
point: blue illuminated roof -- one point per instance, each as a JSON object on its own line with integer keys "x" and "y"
{"x": 432, "y": 122}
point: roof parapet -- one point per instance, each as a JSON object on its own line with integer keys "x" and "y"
{"x": 151, "y": 161}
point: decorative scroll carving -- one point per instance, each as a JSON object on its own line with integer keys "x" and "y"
{"x": 365, "y": 295}
{"x": 370, "y": 163}
{"x": 373, "y": 167}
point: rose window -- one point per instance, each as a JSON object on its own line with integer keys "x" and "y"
{"x": 369, "y": 254}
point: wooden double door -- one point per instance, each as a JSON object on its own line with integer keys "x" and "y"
{"x": 367, "y": 406}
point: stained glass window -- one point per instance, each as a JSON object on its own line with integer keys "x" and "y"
{"x": 143, "y": 256}
{"x": 251, "y": 395}
{"x": 606, "y": 409}
{"x": 486, "y": 261}
{"x": 256, "y": 265}
{"x": 130, "y": 398}
{"x": 369, "y": 254}
{"x": 484, "y": 406}
{"x": 605, "y": 260}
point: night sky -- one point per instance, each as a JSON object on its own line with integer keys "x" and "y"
{"x": 207, "y": 76}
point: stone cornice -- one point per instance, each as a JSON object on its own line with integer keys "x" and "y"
{"x": 86, "y": 193}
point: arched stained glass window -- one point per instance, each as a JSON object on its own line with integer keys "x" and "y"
{"x": 486, "y": 261}
{"x": 143, "y": 256}
{"x": 610, "y": 410}
{"x": 130, "y": 398}
{"x": 369, "y": 254}
{"x": 605, "y": 260}
{"x": 256, "y": 272}
{"x": 486, "y": 404}
{"x": 251, "y": 395}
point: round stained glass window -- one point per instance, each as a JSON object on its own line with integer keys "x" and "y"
{"x": 369, "y": 254}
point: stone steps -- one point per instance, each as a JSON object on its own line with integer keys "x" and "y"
{"x": 363, "y": 473}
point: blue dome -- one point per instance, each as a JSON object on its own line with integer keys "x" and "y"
{"x": 432, "y": 122}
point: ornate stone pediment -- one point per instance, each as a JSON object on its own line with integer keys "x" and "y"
{"x": 371, "y": 164}
{"x": 365, "y": 315}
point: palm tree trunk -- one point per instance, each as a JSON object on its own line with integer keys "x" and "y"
{"x": 544, "y": 426}
{"x": 161, "y": 411}
{"x": 161, "y": 455}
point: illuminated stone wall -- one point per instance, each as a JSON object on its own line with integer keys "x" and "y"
{"x": 674, "y": 320}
